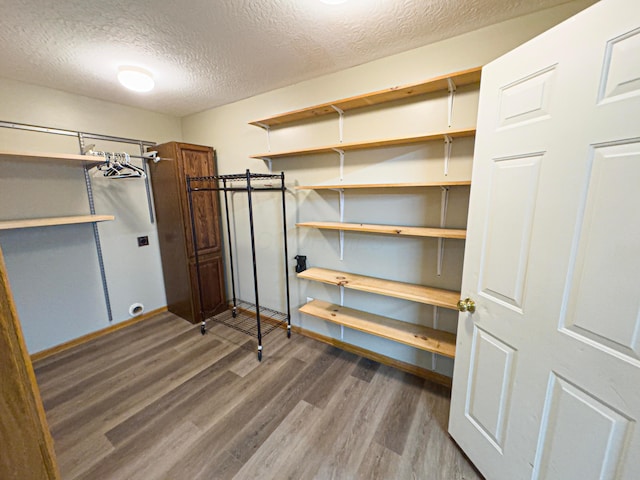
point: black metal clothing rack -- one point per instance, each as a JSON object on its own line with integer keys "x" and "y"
{"x": 241, "y": 316}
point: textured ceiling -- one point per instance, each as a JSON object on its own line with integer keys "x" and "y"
{"x": 205, "y": 53}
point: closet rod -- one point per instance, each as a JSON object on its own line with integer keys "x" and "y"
{"x": 73, "y": 133}
{"x": 93, "y": 136}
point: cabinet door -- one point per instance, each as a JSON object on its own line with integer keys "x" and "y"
{"x": 212, "y": 285}
{"x": 198, "y": 161}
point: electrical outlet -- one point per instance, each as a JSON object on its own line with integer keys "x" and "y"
{"x": 309, "y": 299}
{"x": 143, "y": 241}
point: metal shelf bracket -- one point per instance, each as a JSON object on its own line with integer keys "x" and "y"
{"x": 268, "y": 130}
{"x": 444, "y": 203}
{"x": 434, "y": 357}
{"x": 447, "y": 153}
{"x": 269, "y": 163}
{"x": 452, "y": 94}
{"x": 341, "y": 153}
{"x": 340, "y": 121}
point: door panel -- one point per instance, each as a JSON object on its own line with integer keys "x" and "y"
{"x": 491, "y": 375}
{"x": 602, "y": 304}
{"x": 621, "y": 72}
{"x": 198, "y": 162}
{"x": 552, "y": 258}
{"x": 211, "y": 282}
{"x": 527, "y": 100}
{"x": 571, "y": 415}
{"x": 514, "y": 188}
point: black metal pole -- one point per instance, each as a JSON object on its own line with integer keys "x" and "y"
{"x": 286, "y": 251}
{"x": 194, "y": 241}
{"x": 226, "y": 209}
{"x": 255, "y": 267}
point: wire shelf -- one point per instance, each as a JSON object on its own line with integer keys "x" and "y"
{"x": 237, "y": 182}
{"x": 245, "y": 319}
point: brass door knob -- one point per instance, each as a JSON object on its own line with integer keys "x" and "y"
{"x": 466, "y": 305}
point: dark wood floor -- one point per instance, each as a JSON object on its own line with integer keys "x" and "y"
{"x": 159, "y": 401}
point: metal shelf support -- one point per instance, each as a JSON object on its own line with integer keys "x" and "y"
{"x": 96, "y": 233}
{"x": 447, "y": 153}
{"x": 340, "y": 122}
{"x": 444, "y": 203}
{"x": 452, "y": 94}
{"x": 341, "y": 153}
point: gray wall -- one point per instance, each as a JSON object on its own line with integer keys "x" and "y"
{"x": 53, "y": 271}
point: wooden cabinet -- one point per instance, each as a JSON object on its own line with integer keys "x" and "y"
{"x": 168, "y": 179}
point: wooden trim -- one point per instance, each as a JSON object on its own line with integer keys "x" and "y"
{"x": 430, "y": 375}
{"x": 417, "y": 336}
{"x": 398, "y": 231}
{"x": 385, "y": 185}
{"x": 407, "y": 291}
{"x": 41, "y": 355}
{"x": 440, "y": 83}
{"x": 27, "y": 446}
{"x": 53, "y": 221}
{"x": 389, "y": 142}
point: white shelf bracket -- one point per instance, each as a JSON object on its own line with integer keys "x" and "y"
{"x": 444, "y": 203}
{"x": 452, "y": 94}
{"x": 447, "y": 153}
{"x": 434, "y": 357}
{"x": 342, "y": 305}
{"x": 340, "y": 121}
{"x": 269, "y": 163}
{"x": 268, "y": 130}
{"x": 341, "y": 207}
{"x": 341, "y": 153}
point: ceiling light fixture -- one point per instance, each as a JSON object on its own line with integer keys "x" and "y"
{"x": 136, "y": 79}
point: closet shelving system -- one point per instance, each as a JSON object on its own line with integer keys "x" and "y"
{"x": 87, "y": 161}
{"x": 247, "y": 317}
{"x": 418, "y": 336}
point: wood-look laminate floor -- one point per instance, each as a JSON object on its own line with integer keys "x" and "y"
{"x": 157, "y": 400}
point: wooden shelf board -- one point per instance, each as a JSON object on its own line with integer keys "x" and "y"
{"x": 424, "y": 338}
{"x": 385, "y": 185}
{"x": 52, "y": 221}
{"x": 390, "y": 142}
{"x": 407, "y": 291}
{"x": 49, "y": 157}
{"x": 388, "y": 229}
{"x": 464, "y": 77}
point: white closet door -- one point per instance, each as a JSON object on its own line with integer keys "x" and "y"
{"x": 547, "y": 374}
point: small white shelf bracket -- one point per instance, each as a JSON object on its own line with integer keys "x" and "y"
{"x": 444, "y": 203}
{"x": 269, "y": 163}
{"x": 452, "y": 94}
{"x": 268, "y": 130}
{"x": 341, "y": 153}
{"x": 340, "y": 121}
{"x": 447, "y": 153}
{"x": 341, "y": 198}
{"x": 434, "y": 357}
{"x": 342, "y": 305}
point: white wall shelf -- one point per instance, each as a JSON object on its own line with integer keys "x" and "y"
{"x": 390, "y": 142}
{"x": 53, "y": 221}
{"x": 462, "y": 183}
{"x": 417, "y": 336}
{"x": 399, "y": 231}
{"x": 50, "y": 157}
{"x": 440, "y": 83}
{"x": 390, "y": 288}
